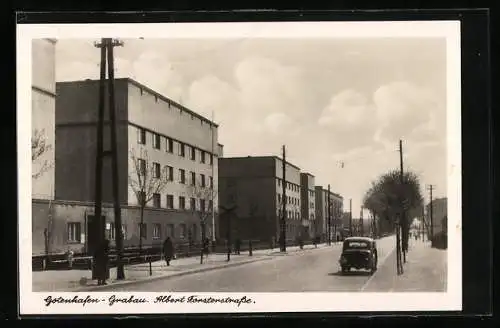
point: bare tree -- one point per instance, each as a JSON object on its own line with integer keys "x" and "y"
{"x": 146, "y": 181}
{"x": 201, "y": 192}
{"x": 39, "y": 147}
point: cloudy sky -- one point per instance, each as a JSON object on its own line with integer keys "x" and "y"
{"x": 331, "y": 101}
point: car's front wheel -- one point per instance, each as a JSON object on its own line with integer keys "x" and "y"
{"x": 344, "y": 269}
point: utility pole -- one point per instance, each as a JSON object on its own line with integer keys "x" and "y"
{"x": 350, "y": 217}
{"x": 213, "y": 178}
{"x": 361, "y": 226}
{"x": 107, "y": 46}
{"x": 401, "y": 216}
{"x": 283, "y": 218}
{"x": 431, "y": 188}
{"x": 329, "y": 217}
{"x": 98, "y": 164}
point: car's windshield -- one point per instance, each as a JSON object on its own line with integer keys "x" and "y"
{"x": 356, "y": 244}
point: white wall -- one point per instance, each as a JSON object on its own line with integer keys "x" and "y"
{"x": 43, "y": 114}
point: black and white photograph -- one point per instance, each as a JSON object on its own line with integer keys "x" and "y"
{"x": 222, "y": 167}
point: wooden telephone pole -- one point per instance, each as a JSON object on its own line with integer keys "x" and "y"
{"x": 350, "y": 217}
{"x": 283, "y": 198}
{"x": 329, "y": 217}
{"x": 401, "y": 216}
{"x": 106, "y": 45}
{"x": 431, "y": 188}
{"x": 361, "y": 226}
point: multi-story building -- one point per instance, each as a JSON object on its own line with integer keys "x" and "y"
{"x": 336, "y": 209}
{"x": 255, "y": 186}
{"x": 439, "y": 215}
{"x": 308, "y": 207}
{"x": 158, "y": 140}
{"x": 43, "y": 100}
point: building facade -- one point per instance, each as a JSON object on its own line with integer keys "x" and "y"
{"x": 308, "y": 207}
{"x": 254, "y": 185}
{"x": 336, "y": 209}
{"x": 158, "y": 140}
{"x": 439, "y": 215}
{"x": 43, "y": 100}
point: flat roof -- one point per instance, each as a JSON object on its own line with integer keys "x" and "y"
{"x": 307, "y": 173}
{"x": 153, "y": 92}
{"x": 260, "y": 157}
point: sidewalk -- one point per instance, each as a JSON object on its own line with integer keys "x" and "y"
{"x": 425, "y": 270}
{"x": 80, "y": 280}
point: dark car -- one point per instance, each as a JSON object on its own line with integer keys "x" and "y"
{"x": 359, "y": 253}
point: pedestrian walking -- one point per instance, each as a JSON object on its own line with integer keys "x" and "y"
{"x": 237, "y": 246}
{"x": 102, "y": 262}
{"x": 168, "y": 250}
{"x": 206, "y": 247}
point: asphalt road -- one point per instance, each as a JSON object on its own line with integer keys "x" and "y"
{"x": 307, "y": 271}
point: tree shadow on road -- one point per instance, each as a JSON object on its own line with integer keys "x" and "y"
{"x": 350, "y": 273}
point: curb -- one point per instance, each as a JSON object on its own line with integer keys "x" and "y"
{"x": 174, "y": 275}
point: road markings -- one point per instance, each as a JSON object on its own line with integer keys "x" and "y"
{"x": 381, "y": 262}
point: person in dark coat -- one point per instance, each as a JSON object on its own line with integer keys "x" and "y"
{"x": 237, "y": 246}
{"x": 168, "y": 250}
{"x": 102, "y": 256}
{"x": 206, "y": 247}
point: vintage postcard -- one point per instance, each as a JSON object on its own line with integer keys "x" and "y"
{"x": 239, "y": 167}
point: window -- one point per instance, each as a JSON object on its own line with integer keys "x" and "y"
{"x": 182, "y": 202}
{"x": 142, "y": 166}
{"x": 211, "y": 205}
{"x": 193, "y": 178}
{"x": 182, "y": 150}
{"x": 182, "y": 175}
{"x": 203, "y": 159}
{"x": 157, "y": 200}
{"x": 170, "y": 145}
{"x": 279, "y": 183}
{"x": 111, "y": 233}
{"x": 156, "y": 231}
{"x": 143, "y": 231}
{"x": 182, "y": 231}
{"x": 193, "y": 204}
{"x": 211, "y": 159}
{"x": 211, "y": 182}
{"x": 170, "y": 173}
{"x": 74, "y": 232}
{"x": 124, "y": 231}
{"x": 170, "y": 230}
{"x": 156, "y": 141}
{"x": 202, "y": 205}
{"x": 170, "y": 201}
{"x": 141, "y": 136}
{"x": 279, "y": 198}
{"x": 157, "y": 170}
{"x": 193, "y": 153}
{"x": 202, "y": 180}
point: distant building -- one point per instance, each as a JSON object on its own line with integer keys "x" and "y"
{"x": 43, "y": 110}
{"x": 255, "y": 186}
{"x": 308, "y": 207}
{"x": 439, "y": 215}
{"x": 336, "y": 210}
{"x": 152, "y": 131}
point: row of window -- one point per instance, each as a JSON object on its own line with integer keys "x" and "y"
{"x": 74, "y": 231}
{"x": 293, "y": 215}
{"x": 289, "y": 200}
{"x": 289, "y": 185}
{"x": 169, "y": 174}
{"x": 181, "y": 147}
{"x": 156, "y": 199}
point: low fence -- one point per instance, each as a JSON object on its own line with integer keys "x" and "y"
{"x": 151, "y": 253}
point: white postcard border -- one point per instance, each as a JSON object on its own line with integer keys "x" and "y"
{"x": 32, "y": 303}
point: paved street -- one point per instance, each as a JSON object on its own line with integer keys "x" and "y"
{"x": 308, "y": 271}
